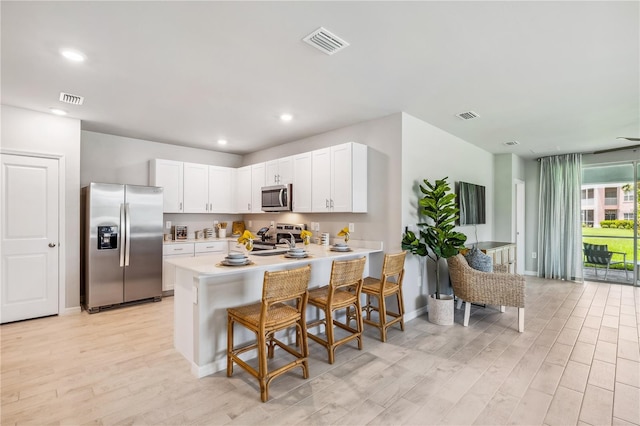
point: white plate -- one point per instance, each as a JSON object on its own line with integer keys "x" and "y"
{"x": 243, "y": 263}
{"x": 340, "y": 248}
{"x": 296, "y": 256}
{"x": 236, "y": 256}
{"x": 234, "y": 260}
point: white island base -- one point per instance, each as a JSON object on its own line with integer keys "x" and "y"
{"x": 204, "y": 291}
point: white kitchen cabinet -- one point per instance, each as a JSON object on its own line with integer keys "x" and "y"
{"x": 168, "y": 270}
{"x": 221, "y": 181}
{"x": 257, "y": 182}
{"x": 196, "y": 188}
{"x": 210, "y": 247}
{"x": 169, "y": 175}
{"x": 339, "y": 179}
{"x": 302, "y": 182}
{"x": 243, "y": 190}
{"x": 279, "y": 172}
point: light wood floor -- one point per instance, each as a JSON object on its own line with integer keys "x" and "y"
{"x": 578, "y": 362}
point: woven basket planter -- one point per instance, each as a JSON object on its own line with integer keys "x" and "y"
{"x": 440, "y": 310}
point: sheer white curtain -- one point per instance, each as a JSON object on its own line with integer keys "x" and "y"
{"x": 560, "y": 229}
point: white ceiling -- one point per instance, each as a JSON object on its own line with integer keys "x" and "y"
{"x": 556, "y": 76}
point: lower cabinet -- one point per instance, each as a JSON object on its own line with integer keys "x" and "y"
{"x": 189, "y": 249}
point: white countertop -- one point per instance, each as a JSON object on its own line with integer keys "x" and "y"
{"x": 210, "y": 264}
{"x": 200, "y": 240}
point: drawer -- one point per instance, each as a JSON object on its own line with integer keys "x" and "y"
{"x": 174, "y": 249}
{"x": 211, "y": 247}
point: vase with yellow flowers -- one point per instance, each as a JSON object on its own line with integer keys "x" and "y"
{"x": 306, "y": 236}
{"x": 246, "y": 239}
{"x": 344, "y": 232}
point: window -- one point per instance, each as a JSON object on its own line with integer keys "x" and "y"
{"x": 628, "y": 216}
{"x": 610, "y": 214}
{"x": 587, "y": 218}
{"x": 628, "y": 195}
{"x": 587, "y": 194}
{"x": 610, "y": 197}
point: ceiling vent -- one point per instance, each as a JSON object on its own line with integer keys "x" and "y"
{"x": 68, "y": 98}
{"x": 325, "y": 41}
{"x": 512, "y": 143}
{"x": 467, "y": 115}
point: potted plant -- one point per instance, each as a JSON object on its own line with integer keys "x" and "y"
{"x": 437, "y": 240}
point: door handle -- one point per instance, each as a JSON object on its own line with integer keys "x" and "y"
{"x": 122, "y": 234}
{"x": 52, "y": 245}
{"x": 127, "y": 235}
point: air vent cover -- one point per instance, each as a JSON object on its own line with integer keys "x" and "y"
{"x": 325, "y": 41}
{"x": 512, "y": 143}
{"x": 467, "y": 115}
{"x": 71, "y": 99}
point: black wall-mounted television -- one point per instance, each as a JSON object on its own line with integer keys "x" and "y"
{"x": 472, "y": 205}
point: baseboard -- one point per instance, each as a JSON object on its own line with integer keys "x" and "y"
{"x": 72, "y": 311}
{"x": 201, "y": 371}
{"x": 531, "y": 273}
{"x": 408, "y": 316}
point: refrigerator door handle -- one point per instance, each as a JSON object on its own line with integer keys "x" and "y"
{"x": 127, "y": 234}
{"x": 121, "y": 235}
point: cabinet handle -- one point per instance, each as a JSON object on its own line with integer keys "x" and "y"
{"x": 180, "y": 206}
{"x": 326, "y": 202}
{"x": 249, "y": 206}
{"x": 331, "y": 204}
{"x": 177, "y": 249}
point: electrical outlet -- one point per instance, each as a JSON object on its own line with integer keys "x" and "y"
{"x": 272, "y": 223}
{"x": 215, "y": 222}
{"x": 168, "y": 224}
{"x": 351, "y": 227}
{"x": 250, "y": 224}
{"x": 534, "y": 254}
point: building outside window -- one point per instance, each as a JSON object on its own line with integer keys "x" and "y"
{"x": 610, "y": 197}
{"x": 610, "y": 214}
{"x": 628, "y": 195}
{"x": 587, "y": 218}
{"x": 628, "y": 216}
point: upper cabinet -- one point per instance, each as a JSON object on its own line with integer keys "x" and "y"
{"x": 301, "y": 201}
{"x": 257, "y": 182}
{"x": 332, "y": 179}
{"x": 169, "y": 175}
{"x": 196, "y": 188}
{"x": 221, "y": 183}
{"x": 339, "y": 179}
{"x": 192, "y": 187}
{"x": 243, "y": 190}
{"x": 279, "y": 172}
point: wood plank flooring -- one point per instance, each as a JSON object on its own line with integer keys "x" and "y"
{"x": 578, "y": 362}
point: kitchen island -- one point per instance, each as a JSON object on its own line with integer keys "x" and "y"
{"x": 204, "y": 289}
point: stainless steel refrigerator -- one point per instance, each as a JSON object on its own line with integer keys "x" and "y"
{"x": 122, "y": 244}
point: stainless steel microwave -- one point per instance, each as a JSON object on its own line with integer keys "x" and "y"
{"x": 276, "y": 198}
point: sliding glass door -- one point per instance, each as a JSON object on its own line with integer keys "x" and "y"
{"x": 609, "y": 213}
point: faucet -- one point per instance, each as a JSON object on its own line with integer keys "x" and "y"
{"x": 292, "y": 243}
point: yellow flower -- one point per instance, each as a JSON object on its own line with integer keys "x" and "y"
{"x": 244, "y": 238}
{"x": 304, "y": 234}
{"x": 344, "y": 233}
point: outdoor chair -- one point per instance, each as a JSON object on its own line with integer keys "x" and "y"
{"x": 599, "y": 254}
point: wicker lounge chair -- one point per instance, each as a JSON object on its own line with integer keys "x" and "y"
{"x": 492, "y": 288}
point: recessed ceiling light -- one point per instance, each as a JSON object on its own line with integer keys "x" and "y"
{"x": 286, "y": 117}
{"x": 58, "y": 111}
{"x": 73, "y": 55}
{"x": 222, "y": 142}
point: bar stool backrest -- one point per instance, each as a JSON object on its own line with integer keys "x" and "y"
{"x": 281, "y": 286}
{"x": 393, "y": 267}
{"x": 347, "y": 273}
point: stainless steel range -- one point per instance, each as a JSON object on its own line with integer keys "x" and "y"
{"x": 273, "y": 238}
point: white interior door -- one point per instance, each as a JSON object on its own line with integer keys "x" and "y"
{"x": 29, "y": 233}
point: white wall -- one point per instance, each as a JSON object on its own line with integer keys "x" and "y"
{"x": 29, "y": 131}
{"x": 431, "y": 153}
{"x": 115, "y": 159}
{"x": 382, "y": 222}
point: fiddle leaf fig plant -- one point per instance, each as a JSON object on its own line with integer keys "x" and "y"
{"x": 438, "y": 233}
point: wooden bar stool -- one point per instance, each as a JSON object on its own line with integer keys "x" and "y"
{"x": 388, "y": 285}
{"x": 346, "y": 275}
{"x": 272, "y": 314}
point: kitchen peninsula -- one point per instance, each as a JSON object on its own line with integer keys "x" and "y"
{"x": 204, "y": 289}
